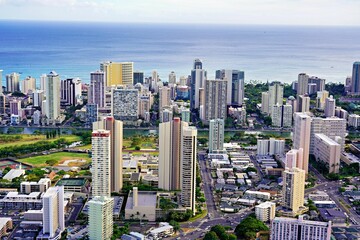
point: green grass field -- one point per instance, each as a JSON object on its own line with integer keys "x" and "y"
{"x": 29, "y": 139}
{"x": 40, "y": 161}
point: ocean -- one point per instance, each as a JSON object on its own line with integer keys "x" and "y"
{"x": 265, "y": 53}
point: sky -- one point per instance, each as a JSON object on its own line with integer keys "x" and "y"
{"x": 274, "y": 12}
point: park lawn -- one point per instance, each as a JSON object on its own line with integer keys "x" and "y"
{"x": 30, "y": 139}
{"x": 139, "y": 153}
{"x": 85, "y": 147}
{"x": 40, "y": 161}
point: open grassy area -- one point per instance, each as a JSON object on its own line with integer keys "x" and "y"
{"x": 40, "y": 161}
{"x": 139, "y": 153}
{"x": 144, "y": 142}
{"x": 30, "y": 139}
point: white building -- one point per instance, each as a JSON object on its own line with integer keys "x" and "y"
{"x": 265, "y": 211}
{"x": 301, "y": 137}
{"x": 124, "y": 104}
{"x": 101, "y": 154}
{"x": 41, "y": 186}
{"x": 52, "y": 103}
{"x": 164, "y": 97}
{"x": 101, "y": 218}
{"x": 265, "y": 102}
{"x": 330, "y": 105}
{"x": 299, "y": 229}
{"x": 354, "y": 120}
{"x": 328, "y": 151}
{"x": 53, "y": 213}
{"x": 216, "y": 135}
{"x": 270, "y": 146}
{"x": 28, "y": 85}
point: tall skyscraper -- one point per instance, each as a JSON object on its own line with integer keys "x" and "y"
{"x": 216, "y": 135}
{"x": 115, "y": 129}
{"x": 70, "y": 91}
{"x": 294, "y": 158}
{"x": 276, "y": 92}
{"x": 101, "y": 218}
{"x": 188, "y": 167}
{"x": 355, "y": 82}
{"x": 198, "y": 78}
{"x": 293, "y": 189}
{"x": 28, "y": 85}
{"x": 2, "y": 103}
{"x": 118, "y": 73}
{"x": 138, "y": 77}
{"x": 124, "y": 104}
{"x": 101, "y": 163}
{"x": 177, "y": 160}
{"x": 303, "y": 81}
{"x": 235, "y": 85}
{"x": 53, "y": 213}
{"x": 96, "y": 92}
{"x": 321, "y": 99}
{"x": 215, "y": 99}
{"x": 52, "y": 90}
{"x": 13, "y": 82}
{"x": 330, "y": 106}
{"x": 320, "y": 83}
{"x": 43, "y": 79}
{"x": 265, "y": 102}
{"x": 299, "y": 229}
{"x": 164, "y": 97}
{"x": 92, "y": 113}
{"x": 172, "y": 78}
{"x": 301, "y": 137}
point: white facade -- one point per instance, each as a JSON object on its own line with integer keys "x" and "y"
{"x": 270, "y": 146}
{"x": 52, "y": 90}
{"x": 301, "y": 137}
{"x": 328, "y": 151}
{"x": 28, "y": 85}
{"x": 216, "y": 135}
{"x": 330, "y": 107}
{"x": 53, "y": 212}
{"x": 124, "y": 104}
{"x": 265, "y": 102}
{"x": 354, "y": 120}
{"x": 265, "y": 211}
{"x": 101, "y": 143}
{"x": 101, "y": 218}
{"x": 299, "y": 229}
{"x": 303, "y": 81}
{"x": 303, "y": 103}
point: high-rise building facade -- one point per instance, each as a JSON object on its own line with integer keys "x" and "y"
{"x": 321, "y": 99}
{"x": 332, "y": 127}
{"x": 293, "y": 189}
{"x": 355, "y": 82}
{"x": 330, "y": 106}
{"x": 319, "y": 82}
{"x": 188, "y": 167}
{"x": 299, "y": 229}
{"x": 28, "y": 85}
{"x": 276, "y": 92}
{"x": 177, "y": 160}
{"x": 96, "y": 91}
{"x": 13, "y": 82}
{"x": 53, "y": 213}
{"x": 215, "y": 99}
{"x": 301, "y": 137}
{"x": 198, "y": 78}
{"x": 265, "y": 102}
{"x": 115, "y": 129}
{"x": 164, "y": 97}
{"x": 52, "y": 91}
{"x": 118, "y": 73}
{"x": 92, "y": 113}
{"x": 172, "y": 78}
{"x": 303, "y": 103}
{"x": 216, "y": 135}
{"x": 235, "y": 85}
{"x": 101, "y": 218}
{"x": 101, "y": 163}
{"x": 327, "y": 151}
{"x": 125, "y": 104}
{"x": 294, "y": 158}
{"x": 303, "y": 81}
{"x": 70, "y": 91}
{"x": 2, "y": 103}
{"x": 265, "y": 211}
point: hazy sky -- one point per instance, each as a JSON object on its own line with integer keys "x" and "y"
{"x": 290, "y": 12}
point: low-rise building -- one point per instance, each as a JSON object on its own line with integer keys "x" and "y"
{"x": 5, "y": 225}
{"x": 41, "y": 186}
{"x": 335, "y": 216}
{"x": 141, "y": 205}
{"x": 73, "y": 184}
{"x": 257, "y": 194}
{"x": 14, "y": 200}
{"x": 165, "y": 230}
{"x": 14, "y": 173}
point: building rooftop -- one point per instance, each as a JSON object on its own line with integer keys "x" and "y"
{"x": 4, "y": 221}
{"x": 145, "y": 199}
{"x": 326, "y": 139}
{"x": 331, "y": 213}
{"x": 14, "y": 173}
{"x": 79, "y": 182}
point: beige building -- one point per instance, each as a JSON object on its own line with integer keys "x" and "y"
{"x": 293, "y": 189}
{"x": 321, "y": 98}
{"x": 164, "y": 97}
{"x": 5, "y": 225}
{"x": 294, "y": 158}
{"x": 52, "y": 92}
{"x": 265, "y": 102}
{"x": 303, "y": 103}
{"x": 330, "y": 105}
{"x": 328, "y": 151}
{"x": 118, "y": 73}
{"x": 41, "y": 186}
{"x": 101, "y": 163}
{"x": 101, "y": 218}
{"x": 265, "y": 211}
{"x": 115, "y": 127}
{"x": 141, "y": 205}
{"x": 28, "y": 85}
{"x": 301, "y": 137}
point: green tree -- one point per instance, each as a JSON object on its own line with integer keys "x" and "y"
{"x": 51, "y": 162}
{"x": 211, "y": 236}
{"x": 175, "y": 224}
{"x": 248, "y": 228}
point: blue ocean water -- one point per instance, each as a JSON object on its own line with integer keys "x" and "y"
{"x": 263, "y": 52}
